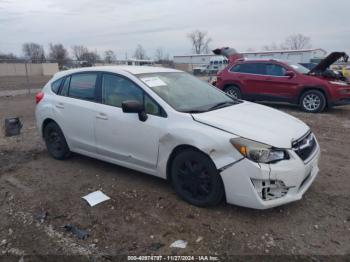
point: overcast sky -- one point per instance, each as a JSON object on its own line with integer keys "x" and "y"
{"x": 120, "y": 25}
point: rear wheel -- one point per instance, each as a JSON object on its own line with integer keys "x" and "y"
{"x": 313, "y": 101}
{"x": 196, "y": 179}
{"x": 55, "y": 141}
{"x": 233, "y": 91}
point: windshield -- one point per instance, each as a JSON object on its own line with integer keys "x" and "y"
{"x": 186, "y": 93}
{"x": 299, "y": 68}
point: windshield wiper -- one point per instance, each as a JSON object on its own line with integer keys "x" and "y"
{"x": 194, "y": 111}
{"x": 221, "y": 105}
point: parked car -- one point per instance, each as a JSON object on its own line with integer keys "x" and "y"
{"x": 271, "y": 80}
{"x": 201, "y": 70}
{"x": 169, "y": 124}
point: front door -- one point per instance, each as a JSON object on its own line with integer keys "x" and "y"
{"x": 122, "y": 137}
{"x": 275, "y": 85}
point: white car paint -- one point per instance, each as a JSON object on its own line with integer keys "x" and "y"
{"x": 106, "y": 133}
{"x": 257, "y": 122}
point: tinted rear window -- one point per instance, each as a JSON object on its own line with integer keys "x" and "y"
{"x": 249, "y": 68}
{"x": 83, "y": 86}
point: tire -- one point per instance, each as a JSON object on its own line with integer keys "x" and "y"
{"x": 233, "y": 91}
{"x": 55, "y": 141}
{"x": 196, "y": 179}
{"x": 313, "y": 101}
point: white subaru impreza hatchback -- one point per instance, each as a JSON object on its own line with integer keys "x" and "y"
{"x": 169, "y": 124}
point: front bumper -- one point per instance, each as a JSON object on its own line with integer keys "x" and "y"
{"x": 248, "y": 183}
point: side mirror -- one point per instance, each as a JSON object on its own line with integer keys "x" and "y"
{"x": 132, "y": 106}
{"x": 290, "y": 74}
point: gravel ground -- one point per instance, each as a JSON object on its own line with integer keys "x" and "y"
{"x": 144, "y": 216}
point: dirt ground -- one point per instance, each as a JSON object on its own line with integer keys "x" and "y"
{"x": 21, "y": 82}
{"x": 144, "y": 216}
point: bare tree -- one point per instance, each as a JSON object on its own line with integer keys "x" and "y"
{"x": 58, "y": 53}
{"x": 200, "y": 41}
{"x": 297, "y": 41}
{"x": 110, "y": 57}
{"x": 34, "y": 52}
{"x": 159, "y": 55}
{"x": 140, "y": 53}
{"x": 82, "y": 53}
{"x": 78, "y": 51}
{"x": 90, "y": 56}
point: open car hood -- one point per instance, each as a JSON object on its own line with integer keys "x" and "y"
{"x": 230, "y": 53}
{"x": 328, "y": 61}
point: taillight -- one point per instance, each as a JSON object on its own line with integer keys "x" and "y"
{"x": 38, "y": 97}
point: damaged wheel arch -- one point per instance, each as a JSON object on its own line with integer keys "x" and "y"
{"x": 177, "y": 150}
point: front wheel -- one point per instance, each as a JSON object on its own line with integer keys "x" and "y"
{"x": 313, "y": 101}
{"x": 196, "y": 179}
{"x": 233, "y": 91}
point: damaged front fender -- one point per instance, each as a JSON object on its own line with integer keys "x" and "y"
{"x": 213, "y": 142}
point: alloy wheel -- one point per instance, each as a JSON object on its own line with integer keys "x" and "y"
{"x": 311, "y": 102}
{"x": 232, "y": 93}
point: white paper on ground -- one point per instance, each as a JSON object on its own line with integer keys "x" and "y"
{"x": 153, "y": 81}
{"x": 179, "y": 244}
{"x": 95, "y": 198}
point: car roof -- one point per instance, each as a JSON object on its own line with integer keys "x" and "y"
{"x": 135, "y": 70}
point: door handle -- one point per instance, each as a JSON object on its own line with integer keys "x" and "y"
{"x": 60, "y": 105}
{"x": 102, "y": 116}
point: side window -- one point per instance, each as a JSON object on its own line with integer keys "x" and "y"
{"x": 116, "y": 90}
{"x": 236, "y": 68}
{"x": 83, "y": 86}
{"x": 152, "y": 107}
{"x": 249, "y": 68}
{"x": 55, "y": 86}
{"x": 65, "y": 87}
{"x": 274, "y": 70}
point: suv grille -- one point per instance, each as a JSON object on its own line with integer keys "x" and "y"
{"x": 305, "y": 146}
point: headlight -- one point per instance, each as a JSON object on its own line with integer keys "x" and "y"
{"x": 258, "y": 152}
{"x": 339, "y": 83}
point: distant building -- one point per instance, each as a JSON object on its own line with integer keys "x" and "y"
{"x": 296, "y": 56}
{"x": 189, "y": 62}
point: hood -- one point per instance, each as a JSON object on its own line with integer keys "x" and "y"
{"x": 230, "y": 53}
{"x": 328, "y": 61}
{"x": 256, "y": 122}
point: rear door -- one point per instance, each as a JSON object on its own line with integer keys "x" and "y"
{"x": 250, "y": 77}
{"x": 75, "y": 111}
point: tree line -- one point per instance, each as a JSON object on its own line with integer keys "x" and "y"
{"x": 200, "y": 43}
{"x": 35, "y": 53}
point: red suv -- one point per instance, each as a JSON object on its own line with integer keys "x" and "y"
{"x": 271, "y": 80}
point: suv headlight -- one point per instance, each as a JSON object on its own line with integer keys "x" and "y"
{"x": 339, "y": 83}
{"x": 258, "y": 152}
